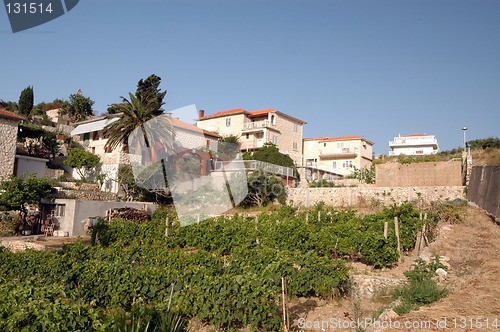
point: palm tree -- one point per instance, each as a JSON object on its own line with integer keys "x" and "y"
{"x": 135, "y": 112}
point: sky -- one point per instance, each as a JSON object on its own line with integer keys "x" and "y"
{"x": 375, "y": 68}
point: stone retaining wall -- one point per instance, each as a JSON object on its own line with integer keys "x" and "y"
{"x": 369, "y": 195}
{"x": 368, "y": 286}
{"x": 95, "y": 195}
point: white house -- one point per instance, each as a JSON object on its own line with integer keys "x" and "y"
{"x": 414, "y": 145}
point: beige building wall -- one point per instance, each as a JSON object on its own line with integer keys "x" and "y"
{"x": 254, "y": 131}
{"x": 337, "y": 156}
{"x": 225, "y": 125}
{"x": 8, "y": 138}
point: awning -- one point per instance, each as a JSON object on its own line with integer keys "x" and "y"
{"x": 92, "y": 126}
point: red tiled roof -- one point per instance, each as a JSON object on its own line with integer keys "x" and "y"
{"x": 261, "y": 112}
{"x": 417, "y": 135}
{"x": 341, "y": 138}
{"x": 181, "y": 124}
{"x": 228, "y": 112}
{"x": 9, "y": 115}
{"x": 315, "y": 138}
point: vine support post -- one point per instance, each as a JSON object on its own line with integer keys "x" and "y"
{"x": 166, "y": 228}
{"x": 284, "y": 293}
{"x": 386, "y": 229}
{"x": 396, "y": 228}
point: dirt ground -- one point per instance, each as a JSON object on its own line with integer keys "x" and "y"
{"x": 472, "y": 249}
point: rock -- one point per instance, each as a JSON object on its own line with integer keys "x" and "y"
{"x": 388, "y": 315}
{"x": 442, "y": 274}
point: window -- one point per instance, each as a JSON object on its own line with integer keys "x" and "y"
{"x": 340, "y": 145}
{"x": 273, "y": 120}
{"x": 275, "y": 139}
{"x": 295, "y": 127}
{"x": 324, "y": 145}
{"x": 334, "y": 164}
{"x": 93, "y": 149}
{"x": 228, "y": 122}
{"x": 108, "y": 150}
{"x": 295, "y": 146}
{"x": 248, "y": 136}
{"x": 419, "y": 152}
{"x": 95, "y": 135}
{"x": 86, "y": 136}
{"x": 347, "y": 164}
{"x": 60, "y": 209}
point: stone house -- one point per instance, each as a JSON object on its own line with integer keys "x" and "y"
{"x": 256, "y": 128}
{"x": 333, "y": 157}
{"x": 90, "y": 134}
{"x": 8, "y": 137}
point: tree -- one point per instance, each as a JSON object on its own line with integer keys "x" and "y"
{"x": 10, "y": 106}
{"x": 85, "y": 163}
{"x": 78, "y": 108}
{"x": 271, "y": 154}
{"x": 149, "y": 89}
{"x": 263, "y": 189}
{"x": 26, "y": 100}
{"x": 50, "y": 142}
{"x": 18, "y": 193}
{"x": 229, "y": 146}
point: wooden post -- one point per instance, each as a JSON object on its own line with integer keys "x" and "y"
{"x": 386, "y": 229}
{"x": 425, "y": 216}
{"x": 319, "y": 215}
{"x": 420, "y": 215}
{"x": 396, "y": 228}
{"x": 166, "y": 227}
{"x": 307, "y": 217}
{"x": 170, "y": 299}
{"x": 284, "y": 304}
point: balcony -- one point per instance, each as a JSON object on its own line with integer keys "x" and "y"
{"x": 252, "y": 145}
{"x": 343, "y": 153}
{"x": 414, "y": 141}
{"x": 256, "y": 126}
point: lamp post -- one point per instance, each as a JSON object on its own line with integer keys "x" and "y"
{"x": 464, "y": 129}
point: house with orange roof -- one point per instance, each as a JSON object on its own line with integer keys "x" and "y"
{"x": 8, "y": 137}
{"x": 188, "y": 137}
{"x": 255, "y": 128}
{"x": 414, "y": 145}
{"x": 335, "y": 157}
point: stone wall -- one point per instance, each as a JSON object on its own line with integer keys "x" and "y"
{"x": 95, "y": 195}
{"x": 419, "y": 174}
{"x": 367, "y": 286}
{"x": 371, "y": 195}
{"x": 8, "y": 130}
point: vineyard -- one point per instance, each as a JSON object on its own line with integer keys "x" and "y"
{"x": 225, "y": 271}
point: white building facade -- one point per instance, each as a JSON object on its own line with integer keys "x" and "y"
{"x": 414, "y": 145}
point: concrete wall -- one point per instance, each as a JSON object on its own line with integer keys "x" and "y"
{"x": 78, "y": 210}
{"x": 8, "y": 138}
{"x": 371, "y": 195}
{"x": 29, "y": 165}
{"x": 419, "y": 174}
{"x": 484, "y": 189}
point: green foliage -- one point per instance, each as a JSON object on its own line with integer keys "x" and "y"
{"x": 78, "y": 108}
{"x": 229, "y": 146}
{"x": 485, "y": 143}
{"x": 226, "y": 271}
{"x": 26, "y": 100}
{"x": 270, "y": 154}
{"x": 83, "y": 161}
{"x": 263, "y": 189}
{"x": 452, "y": 212}
{"x": 364, "y": 174}
{"x": 10, "y": 106}
{"x": 28, "y": 130}
{"x": 149, "y": 89}
{"x": 51, "y": 143}
{"x": 421, "y": 288}
{"x": 18, "y": 193}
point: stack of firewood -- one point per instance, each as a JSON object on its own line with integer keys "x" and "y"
{"x": 132, "y": 214}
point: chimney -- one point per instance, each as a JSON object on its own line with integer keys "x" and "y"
{"x": 202, "y": 114}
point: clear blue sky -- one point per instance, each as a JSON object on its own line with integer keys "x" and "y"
{"x": 371, "y": 68}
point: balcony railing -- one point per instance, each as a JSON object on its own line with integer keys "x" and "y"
{"x": 256, "y": 125}
{"x": 255, "y": 144}
{"x": 253, "y": 165}
{"x": 338, "y": 153}
{"x": 415, "y": 141}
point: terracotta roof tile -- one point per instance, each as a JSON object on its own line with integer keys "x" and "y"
{"x": 261, "y": 112}
{"x": 228, "y": 112}
{"x": 181, "y": 124}
{"x": 9, "y": 115}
